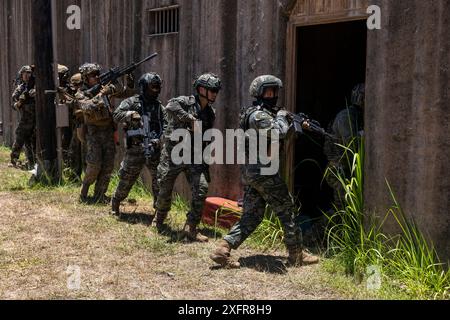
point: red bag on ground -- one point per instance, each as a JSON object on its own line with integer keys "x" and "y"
{"x": 221, "y": 212}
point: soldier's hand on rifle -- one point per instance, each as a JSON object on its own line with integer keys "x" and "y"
{"x": 156, "y": 143}
{"x": 285, "y": 114}
{"x": 22, "y": 97}
{"x": 306, "y": 125}
{"x": 17, "y": 105}
{"x": 134, "y": 118}
{"x": 32, "y": 93}
{"x": 106, "y": 90}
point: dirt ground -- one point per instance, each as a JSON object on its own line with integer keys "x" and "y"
{"x": 47, "y": 239}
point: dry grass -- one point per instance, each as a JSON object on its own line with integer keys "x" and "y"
{"x": 43, "y": 232}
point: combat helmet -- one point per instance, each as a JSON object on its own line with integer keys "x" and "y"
{"x": 63, "y": 73}
{"x": 26, "y": 68}
{"x": 76, "y": 79}
{"x": 260, "y": 83}
{"x": 88, "y": 69}
{"x": 147, "y": 79}
{"x": 209, "y": 81}
{"x": 358, "y": 95}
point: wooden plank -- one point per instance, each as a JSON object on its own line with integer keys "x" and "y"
{"x": 45, "y": 108}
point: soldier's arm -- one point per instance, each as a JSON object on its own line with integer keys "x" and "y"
{"x": 124, "y": 111}
{"x": 264, "y": 123}
{"x": 163, "y": 118}
{"x": 114, "y": 88}
{"x": 345, "y": 127}
{"x": 88, "y": 104}
{"x": 176, "y": 110}
{"x": 17, "y": 93}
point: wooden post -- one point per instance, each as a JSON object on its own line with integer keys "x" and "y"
{"x": 45, "y": 103}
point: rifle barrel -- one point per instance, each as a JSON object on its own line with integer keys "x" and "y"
{"x": 146, "y": 59}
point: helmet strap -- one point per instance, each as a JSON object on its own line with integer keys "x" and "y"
{"x": 204, "y": 96}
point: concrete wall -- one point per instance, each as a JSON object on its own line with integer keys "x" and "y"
{"x": 408, "y": 114}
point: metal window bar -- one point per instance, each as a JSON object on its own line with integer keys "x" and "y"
{"x": 165, "y": 20}
{"x": 157, "y": 22}
{"x": 170, "y": 20}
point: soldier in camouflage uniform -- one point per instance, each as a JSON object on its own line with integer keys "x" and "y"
{"x": 187, "y": 113}
{"x": 24, "y": 102}
{"x": 130, "y": 113}
{"x": 75, "y": 152}
{"x": 347, "y": 126}
{"x": 63, "y": 87}
{"x": 264, "y": 116}
{"x": 100, "y": 129}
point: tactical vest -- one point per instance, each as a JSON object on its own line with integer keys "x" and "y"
{"x": 245, "y": 114}
{"x": 101, "y": 116}
{"x": 153, "y": 110}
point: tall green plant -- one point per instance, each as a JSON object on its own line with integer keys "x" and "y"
{"x": 357, "y": 240}
{"x": 269, "y": 233}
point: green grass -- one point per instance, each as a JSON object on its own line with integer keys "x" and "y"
{"x": 269, "y": 234}
{"x": 410, "y": 266}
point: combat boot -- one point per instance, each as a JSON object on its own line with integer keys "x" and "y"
{"x": 102, "y": 199}
{"x": 84, "y": 193}
{"x": 13, "y": 163}
{"x": 191, "y": 232}
{"x": 160, "y": 218}
{"x": 298, "y": 257}
{"x": 115, "y": 207}
{"x": 222, "y": 256}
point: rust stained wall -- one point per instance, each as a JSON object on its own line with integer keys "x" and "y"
{"x": 237, "y": 39}
{"x": 408, "y": 114}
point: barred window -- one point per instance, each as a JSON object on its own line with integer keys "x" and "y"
{"x": 164, "y": 20}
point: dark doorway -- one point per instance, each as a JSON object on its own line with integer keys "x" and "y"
{"x": 331, "y": 60}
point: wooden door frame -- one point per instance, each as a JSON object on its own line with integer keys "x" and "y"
{"x": 296, "y": 21}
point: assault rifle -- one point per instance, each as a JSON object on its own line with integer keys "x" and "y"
{"x": 24, "y": 93}
{"x": 115, "y": 73}
{"x": 147, "y": 136}
{"x": 303, "y": 122}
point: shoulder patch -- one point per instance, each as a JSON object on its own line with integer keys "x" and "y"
{"x": 261, "y": 115}
{"x": 133, "y": 100}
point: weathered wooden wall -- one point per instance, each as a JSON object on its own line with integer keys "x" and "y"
{"x": 407, "y": 115}
{"x": 236, "y": 39}
{"x": 16, "y": 50}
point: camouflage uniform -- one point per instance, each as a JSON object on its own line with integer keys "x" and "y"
{"x": 135, "y": 160}
{"x": 24, "y": 102}
{"x": 181, "y": 112}
{"x": 347, "y": 126}
{"x": 100, "y": 143}
{"x": 64, "y": 90}
{"x": 261, "y": 190}
{"x": 76, "y": 149}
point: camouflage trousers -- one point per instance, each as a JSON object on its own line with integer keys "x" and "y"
{"x": 25, "y": 137}
{"x": 335, "y": 184}
{"x": 130, "y": 169}
{"x": 259, "y": 192}
{"x": 198, "y": 178}
{"x": 100, "y": 155}
{"x": 76, "y": 153}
